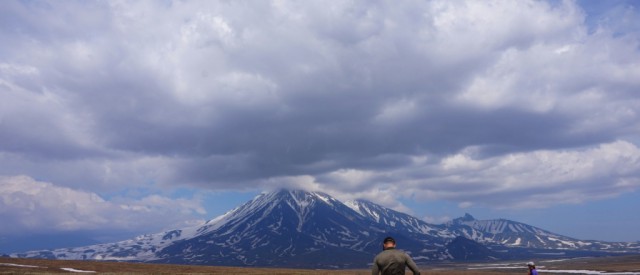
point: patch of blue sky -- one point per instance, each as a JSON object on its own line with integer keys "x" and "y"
{"x": 219, "y": 202}
{"x": 614, "y": 219}
{"x": 619, "y": 15}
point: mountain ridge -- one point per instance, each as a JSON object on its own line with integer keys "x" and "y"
{"x": 294, "y": 228}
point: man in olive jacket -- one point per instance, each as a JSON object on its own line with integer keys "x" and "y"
{"x": 391, "y": 261}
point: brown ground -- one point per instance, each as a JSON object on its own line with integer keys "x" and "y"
{"x": 609, "y": 264}
{"x": 623, "y": 263}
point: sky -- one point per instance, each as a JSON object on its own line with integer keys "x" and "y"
{"x": 120, "y": 118}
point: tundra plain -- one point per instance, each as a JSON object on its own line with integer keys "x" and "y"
{"x": 601, "y": 265}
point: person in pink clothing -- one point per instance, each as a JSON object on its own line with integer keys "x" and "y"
{"x": 532, "y": 268}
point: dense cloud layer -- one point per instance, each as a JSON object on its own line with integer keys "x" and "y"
{"x": 476, "y": 102}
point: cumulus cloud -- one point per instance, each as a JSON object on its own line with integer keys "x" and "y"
{"x": 539, "y": 178}
{"x": 30, "y": 206}
{"x": 535, "y": 179}
{"x": 459, "y": 101}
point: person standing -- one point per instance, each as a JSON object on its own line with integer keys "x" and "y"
{"x": 392, "y": 261}
{"x": 532, "y": 268}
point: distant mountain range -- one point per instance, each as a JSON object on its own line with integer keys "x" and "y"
{"x": 314, "y": 230}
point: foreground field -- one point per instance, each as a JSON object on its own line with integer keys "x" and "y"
{"x": 605, "y": 265}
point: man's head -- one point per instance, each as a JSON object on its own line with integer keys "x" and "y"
{"x": 531, "y": 265}
{"x": 388, "y": 243}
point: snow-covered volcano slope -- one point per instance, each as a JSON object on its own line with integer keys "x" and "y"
{"x": 311, "y": 229}
{"x": 516, "y": 234}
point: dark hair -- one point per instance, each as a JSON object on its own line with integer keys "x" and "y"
{"x": 389, "y": 239}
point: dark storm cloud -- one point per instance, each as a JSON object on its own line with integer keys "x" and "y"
{"x": 348, "y": 96}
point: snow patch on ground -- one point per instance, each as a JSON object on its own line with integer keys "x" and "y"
{"x": 354, "y": 206}
{"x": 497, "y": 267}
{"x": 587, "y": 272}
{"x": 518, "y": 242}
{"x": 543, "y": 270}
{"x": 571, "y": 244}
{"x": 324, "y": 198}
{"x": 20, "y": 265}
{"x": 76, "y": 270}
